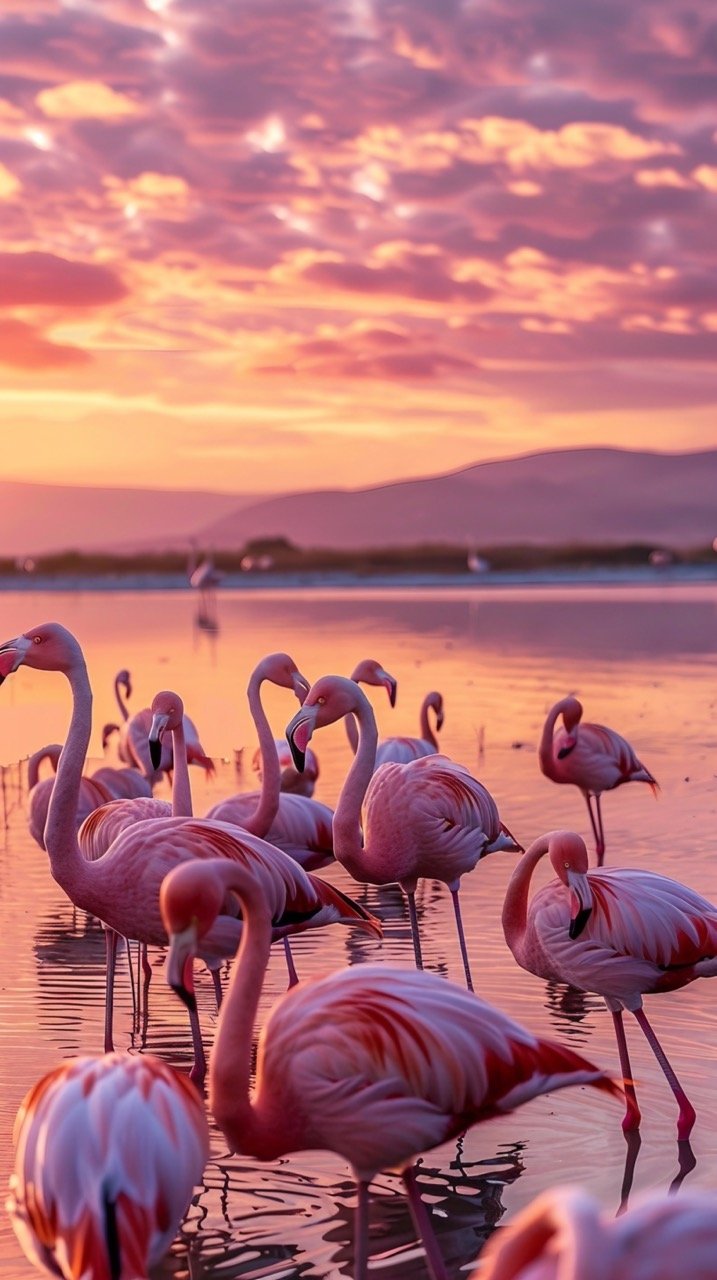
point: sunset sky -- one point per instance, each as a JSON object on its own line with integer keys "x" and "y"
{"x": 276, "y": 244}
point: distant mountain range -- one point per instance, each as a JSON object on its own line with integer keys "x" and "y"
{"x": 576, "y": 495}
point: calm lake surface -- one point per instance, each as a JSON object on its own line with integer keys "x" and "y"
{"x": 642, "y": 659}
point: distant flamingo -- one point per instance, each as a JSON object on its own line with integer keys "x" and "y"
{"x": 618, "y": 932}
{"x": 592, "y": 757}
{"x": 401, "y": 750}
{"x": 373, "y": 1063}
{"x": 298, "y": 825}
{"x": 429, "y": 817}
{"x": 93, "y": 792}
{"x": 204, "y": 577}
{"x": 369, "y": 671}
{"x": 134, "y": 735}
{"x": 291, "y": 782}
{"x": 564, "y": 1235}
{"x": 108, "y": 1152}
{"x": 122, "y": 887}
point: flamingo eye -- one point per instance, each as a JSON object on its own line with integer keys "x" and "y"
{"x": 37, "y": 639}
{"x": 567, "y": 866}
{"x": 321, "y": 702}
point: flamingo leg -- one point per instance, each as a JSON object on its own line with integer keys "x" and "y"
{"x": 414, "y": 929}
{"x": 293, "y": 975}
{"x": 634, "y": 1142}
{"x": 422, "y": 1223}
{"x": 632, "y": 1117}
{"x": 111, "y": 940}
{"x": 687, "y": 1114}
{"x": 601, "y": 830}
{"x": 135, "y": 993}
{"x": 199, "y": 1066}
{"x": 462, "y": 939}
{"x": 147, "y": 972}
{"x": 361, "y": 1232}
{"x": 218, "y": 993}
{"x": 599, "y": 847}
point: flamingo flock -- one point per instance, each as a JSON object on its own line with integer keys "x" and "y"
{"x": 373, "y": 1063}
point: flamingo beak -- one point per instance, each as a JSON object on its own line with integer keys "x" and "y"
{"x": 12, "y": 654}
{"x": 392, "y": 688}
{"x": 439, "y": 721}
{"x": 301, "y": 686}
{"x": 581, "y": 902}
{"x": 156, "y": 733}
{"x": 298, "y": 734}
{"x": 569, "y": 744}
{"x": 179, "y": 972}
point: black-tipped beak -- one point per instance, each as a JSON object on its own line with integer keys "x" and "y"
{"x": 159, "y": 724}
{"x": 155, "y": 752}
{"x": 188, "y": 998}
{"x": 298, "y": 735}
{"x": 392, "y": 690}
{"x": 301, "y": 686}
{"x": 565, "y": 751}
{"x": 179, "y": 971}
{"x": 578, "y": 922}
{"x": 11, "y": 655}
{"x": 298, "y": 756}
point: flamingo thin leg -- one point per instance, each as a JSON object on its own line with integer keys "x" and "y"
{"x": 462, "y": 938}
{"x": 218, "y": 993}
{"x": 111, "y": 940}
{"x": 422, "y": 1223}
{"x": 414, "y": 929}
{"x": 293, "y": 975}
{"x": 632, "y": 1117}
{"x": 361, "y": 1232}
{"x": 687, "y": 1114}
{"x": 135, "y": 993}
{"x": 199, "y": 1066}
{"x": 601, "y": 830}
{"x": 599, "y": 848}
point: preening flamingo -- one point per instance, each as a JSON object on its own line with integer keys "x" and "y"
{"x": 373, "y": 1063}
{"x": 591, "y": 757}
{"x": 108, "y": 1152}
{"x": 92, "y": 793}
{"x": 429, "y": 817}
{"x": 564, "y": 1235}
{"x": 401, "y": 750}
{"x": 369, "y": 671}
{"x": 293, "y": 822}
{"x": 122, "y": 887}
{"x": 616, "y": 931}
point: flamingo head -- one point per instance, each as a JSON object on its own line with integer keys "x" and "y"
{"x": 282, "y": 670}
{"x": 123, "y": 678}
{"x": 569, "y": 856}
{"x": 167, "y": 713}
{"x": 572, "y": 713}
{"x": 190, "y": 899}
{"x": 107, "y": 731}
{"x": 49, "y": 647}
{"x": 369, "y": 671}
{"x": 435, "y": 700}
{"x": 329, "y": 699}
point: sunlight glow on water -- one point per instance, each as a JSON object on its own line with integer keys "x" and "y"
{"x": 641, "y": 659}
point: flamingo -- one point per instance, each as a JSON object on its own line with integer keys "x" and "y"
{"x": 293, "y": 822}
{"x": 373, "y": 1063}
{"x": 122, "y": 887}
{"x": 122, "y": 784}
{"x": 134, "y": 734}
{"x": 592, "y": 757}
{"x": 108, "y": 1152}
{"x": 291, "y": 782}
{"x": 401, "y": 750}
{"x": 93, "y": 793}
{"x": 619, "y": 932}
{"x": 369, "y": 671}
{"x": 563, "y": 1235}
{"x": 429, "y": 817}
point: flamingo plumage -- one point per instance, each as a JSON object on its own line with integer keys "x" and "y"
{"x": 122, "y": 887}
{"x": 565, "y": 1235}
{"x": 591, "y": 757}
{"x": 373, "y": 1063}
{"x": 108, "y": 1152}
{"x": 401, "y": 750}
{"x": 292, "y": 782}
{"x": 92, "y": 793}
{"x": 619, "y": 932}
{"x": 429, "y": 817}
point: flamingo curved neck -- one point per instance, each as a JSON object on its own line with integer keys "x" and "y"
{"x": 71, "y": 871}
{"x": 545, "y": 748}
{"x": 352, "y": 733}
{"x": 515, "y": 906}
{"x": 426, "y": 731}
{"x": 348, "y": 844}
{"x": 181, "y": 786}
{"x": 124, "y": 709}
{"x": 51, "y": 753}
{"x": 268, "y": 807}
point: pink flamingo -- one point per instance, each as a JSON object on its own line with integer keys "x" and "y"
{"x": 293, "y": 822}
{"x": 134, "y": 734}
{"x": 122, "y": 784}
{"x": 618, "y": 932}
{"x": 93, "y": 793}
{"x": 108, "y": 1152}
{"x": 122, "y": 887}
{"x": 564, "y": 1235}
{"x": 291, "y": 781}
{"x": 369, "y": 671}
{"x": 429, "y": 817}
{"x": 374, "y": 1063}
{"x": 401, "y": 750}
{"x": 590, "y": 756}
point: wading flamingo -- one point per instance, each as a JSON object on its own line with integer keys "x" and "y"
{"x": 134, "y": 735}
{"x": 92, "y": 793}
{"x": 427, "y": 818}
{"x": 565, "y": 1235}
{"x": 591, "y": 757}
{"x": 401, "y": 750}
{"x": 373, "y": 1063}
{"x": 293, "y": 822}
{"x": 108, "y": 1152}
{"x": 369, "y": 671}
{"x": 616, "y": 931}
{"x": 122, "y": 887}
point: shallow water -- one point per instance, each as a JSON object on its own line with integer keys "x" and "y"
{"x": 642, "y": 660}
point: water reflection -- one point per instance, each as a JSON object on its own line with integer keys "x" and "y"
{"x": 569, "y": 1007}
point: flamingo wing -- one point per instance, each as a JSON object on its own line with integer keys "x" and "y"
{"x": 101, "y": 827}
{"x": 402, "y": 750}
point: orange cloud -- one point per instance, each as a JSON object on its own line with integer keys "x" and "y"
{"x": 86, "y": 100}
{"x": 9, "y": 184}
